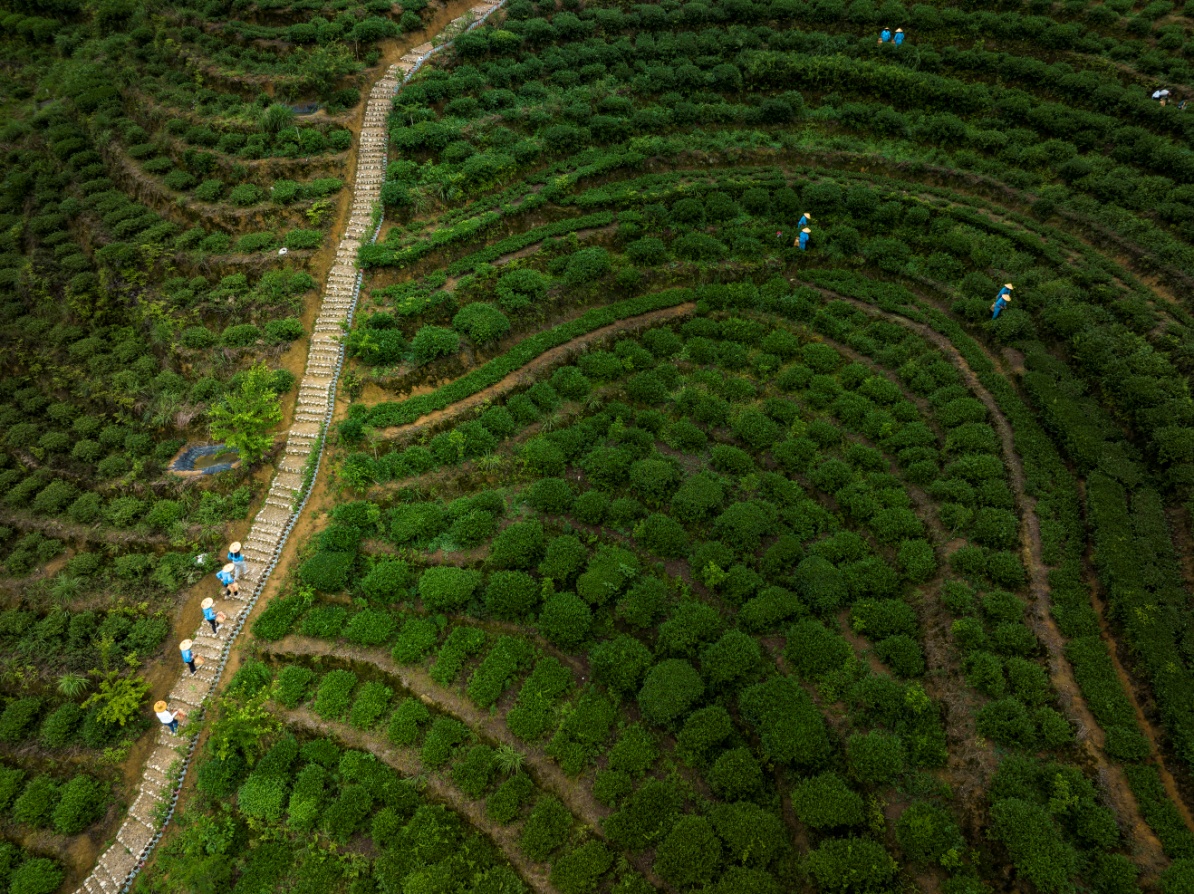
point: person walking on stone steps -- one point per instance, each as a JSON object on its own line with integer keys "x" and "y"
{"x": 899, "y": 36}
{"x": 188, "y": 656}
{"x": 1002, "y": 300}
{"x": 227, "y": 576}
{"x": 209, "y": 615}
{"x": 169, "y": 718}
{"x": 805, "y": 220}
{"x": 237, "y": 558}
{"x": 885, "y": 35}
{"x": 804, "y": 237}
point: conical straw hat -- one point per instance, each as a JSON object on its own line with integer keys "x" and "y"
{"x": 234, "y": 546}
{"x": 160, "y": 706}
{"x": 207, "y": 603}
{"x": 185, "y": 645}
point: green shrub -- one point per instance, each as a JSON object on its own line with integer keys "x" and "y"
{"x": 39, "y": 875}
{"x": 334, "y": 696}
{"x": 620, "y": 663}
{"x": 371, "y": 627}
{"x": 518, "y": 289}
{"x": 733, "y": 658}
{"x": 1007, "y": 722}
{"x": 403, "y": 729}
{"x": 61, "y": 728}
{"x": 431, "y": 342}
{"x": 545, "y": 829}
{"x": 877, "y": 757}
{"x": 292, "y": 685}
{"x": 521, "y": 545}
{"x": 790, "y": 728}
{"x": 669, "y": 691}
{"x": 735, "y": 775}
{"x": 35, "y": 806}
{"x": 647, "y": 816}
{"x": 813, "y": 650}
{"x": 474, "y": 774}
{"x": 481, "y": 322}
{"x": 1035, "y": 844}
{"x": 371, "y": 703}
{"x": 445, "y": 588}
{"x": 327, "y": 571}
{"x": 565, "y": 620}
{"x": 850, "y": 864}
{"x": 325, "y": 621}
{"x": 509, "y": 656}
{"x": 16, "y": 723}
{"x": 506, "y": 803}
{"x": 445, "y": 734}
{"x": 550, "y": 496}
{"x": 928, "y": 835}
{"x": 634, "y": 752}
{"x": 82, "y": 801}
{"x": 703, "y": 731}
{"x": 387, "y": 580}
{"x": 579, "y": 871}
{"x": 690, "y": 855}
{"x": 511, "y": 595}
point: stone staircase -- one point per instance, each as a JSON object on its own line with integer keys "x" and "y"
{"x": 161, "y": 776}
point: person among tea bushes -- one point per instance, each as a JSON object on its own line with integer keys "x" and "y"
{"x": 899, "y": 36}
{"x": 237, "y": 558}
{"x": 209, "y": 614}
{"x": 805, "y": 220}
{"x": 804, "y": 237}
{"x": 885, "y": 35}
{"x": 1160, "y": 95}
{"x": 169, "y": 718}
{"x": 1002, "y": 300}
{"x": 188, "y": 656}
{"x": 227, "y": 576}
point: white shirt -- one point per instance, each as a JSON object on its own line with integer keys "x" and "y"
{"x": 1160, "y": 94}
{"x": 166, "y": 716}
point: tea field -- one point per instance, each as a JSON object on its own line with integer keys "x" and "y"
{"x": 616, "y": 541}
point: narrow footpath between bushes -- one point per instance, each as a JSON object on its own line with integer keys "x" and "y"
{"x": 165, "y": 768}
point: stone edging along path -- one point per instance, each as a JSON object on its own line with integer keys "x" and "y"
{"x": 166, "y": 767}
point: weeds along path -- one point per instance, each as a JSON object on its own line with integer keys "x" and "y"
{"x": 546, "y": 772}
{"x": 1145, "y": 845}
{"x": 406, "y": 761}
{"x": 166, "y": 766}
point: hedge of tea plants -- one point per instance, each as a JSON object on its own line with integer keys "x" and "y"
{"x": 833, "y": 474}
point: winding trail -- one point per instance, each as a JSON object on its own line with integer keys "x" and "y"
{"x": 164, "y": 770}
{"x": 1145, "y": 844}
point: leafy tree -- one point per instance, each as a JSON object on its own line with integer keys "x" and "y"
{"x": 118, "y": 698}
{"x": 243, "y": 417}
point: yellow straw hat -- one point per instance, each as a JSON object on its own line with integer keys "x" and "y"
{"x": 160, "y": 706}
{"x": 1008, "y": 285}
{"x": 207, "y": 603}
{"x": 185, "y": 645}
{"x": 899, "y": 30}
{"x": 234, "y": 546}
{"x": 806, "y": 230}
{"x": 229, "y": 568}
{"x": 807, "y": 215}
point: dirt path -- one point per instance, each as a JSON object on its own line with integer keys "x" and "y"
{"x": 1145, "y": 845}
{"x": 529, "y": 373}
{"x": 406, "y": 762}
{"x": 546, "y": 772}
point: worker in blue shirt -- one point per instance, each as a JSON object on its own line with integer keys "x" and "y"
{"x": 188, "y": 657}
{"x": 237, "y": 558}
{"x": 805, "y": 220}
{"x": 899, "y": 36}
{"x": 1002, "y": 300}
{"x": 804, "y": 236}
{"x": 209, "y": 614}
{"x": 885, "y": 35}
{"x": 227, "y": 576}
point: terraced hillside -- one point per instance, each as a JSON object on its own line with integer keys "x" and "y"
{"x": 631, "y": 546}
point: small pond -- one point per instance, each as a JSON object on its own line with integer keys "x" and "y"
{"x": 206, "y": 460}
{"x": 305, "y": 108}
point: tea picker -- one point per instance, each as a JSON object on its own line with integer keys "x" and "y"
{"x": 1002, "y": 300}
{"x": 237, "y": 558}
{"x": 804, "y": 237}
{"x": 188, "y": 656}
{"x": 885, "y": 35}
{"x": 227, "y": 576}
{"x": 169, "y": 718}
{"x": 210, "y": 615}
{"x": 899, "y": 36}
{"x": 805, "y": 220}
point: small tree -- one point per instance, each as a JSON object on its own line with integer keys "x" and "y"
{"x": 242, "y": 420}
